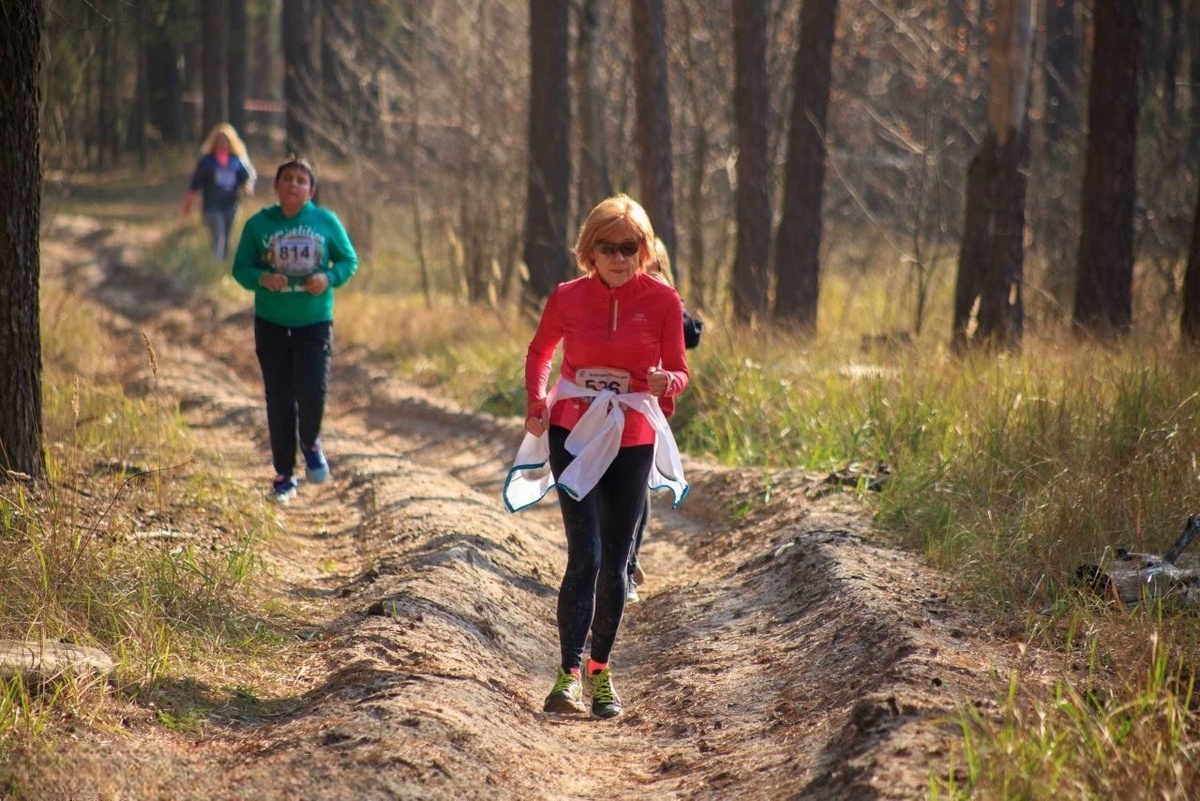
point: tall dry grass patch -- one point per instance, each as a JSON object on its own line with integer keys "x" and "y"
{"x": 127, "y": 547}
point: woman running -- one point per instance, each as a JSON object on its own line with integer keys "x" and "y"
{"x": 601, "y": 432}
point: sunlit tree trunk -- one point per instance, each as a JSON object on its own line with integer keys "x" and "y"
{"x": 549, "y": 175}
{"x": 594, "y": 181}
{"x": 798, "y": 240}
{"x": 20, "y": 190}
{"x": 298, "y": 78}
{"x": 654, "y": 118}
{"x": 692, "y": 278}
{"x": 1104, "y": 283}
{"x": 991, "y": 262}
{"x": 751, "y": 107}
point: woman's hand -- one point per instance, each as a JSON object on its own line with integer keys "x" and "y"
{"x": 316, "y": 283}
{"x": 537, "y": 421}
{"x": 657, "y": 382}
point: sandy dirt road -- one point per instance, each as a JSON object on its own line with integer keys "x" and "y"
{"x": 781, "y": 649}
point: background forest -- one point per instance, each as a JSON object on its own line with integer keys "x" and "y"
{"x": 423, "y": 110}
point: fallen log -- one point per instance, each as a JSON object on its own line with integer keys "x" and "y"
{"x": 1136, "y": 578}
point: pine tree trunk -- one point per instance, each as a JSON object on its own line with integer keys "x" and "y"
{"x": 751, "y": 289}
{"x": 549, "y": 174}
{"x": 1061, "y": 70}
{"x": 20, "y": 190}
{"x": 298, "y": 84}
{"x": 991, "y": 262}
{"x": 236, "y": 78}
{"x": 1189, "y": 322}
{"x": 214, "y": 67}
{"x": 594, "y": 181}
{"x": 798, "y": 241}
{"x": 1104, "y": 283}
{"x": 655, "y": 172}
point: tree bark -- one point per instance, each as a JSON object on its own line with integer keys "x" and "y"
{"x": 798, "y": 238}
{"x": 549, "y": 174}
{"x": 594, "y": 181}
{"x": 1189, "y": 322}
{"x": 164, "y": 80}
{"x": 236, "y": 78}
{"x": 1192, "y": 21}
{"x": 214, "y": 64}
{"x": 1061, "y": 70}
{"x": 1171, "y": 59}
{"x": 1104, "y": 283}
{"x": 20, "y": 196}
{"x": 655, "y": 173}
{"x": 753, "y": 200}
{"x": 298, "y": 79}
{"x": 107, "y": 141}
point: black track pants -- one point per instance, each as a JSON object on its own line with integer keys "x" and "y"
{"x": 295, "y": 369}
{"x": 600, "y": 529}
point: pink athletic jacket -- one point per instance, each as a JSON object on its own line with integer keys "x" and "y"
{"x": 631, "y": 328}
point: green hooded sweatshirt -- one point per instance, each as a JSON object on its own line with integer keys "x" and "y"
{"x": 312, "y": 241}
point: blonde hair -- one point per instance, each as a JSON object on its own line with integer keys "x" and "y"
{"x": 607, "y": 215}
{"x": 236, "y": 146}
{"x": 661, "y": 263}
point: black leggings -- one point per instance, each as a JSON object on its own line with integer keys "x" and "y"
{"x": 638, "y": 537}
{"x": 600, "y": 530}
{"x": 295, "y": 369}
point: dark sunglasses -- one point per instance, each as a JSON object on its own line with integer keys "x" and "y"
{"x": 626, "y": 249}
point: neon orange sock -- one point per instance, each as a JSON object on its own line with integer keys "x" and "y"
{"x": 595, "y": 667}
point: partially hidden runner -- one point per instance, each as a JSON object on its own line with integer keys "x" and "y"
{"x": 222, "y": 176}
{"x": 660, "y": 268}
{"x": 599, "y": 435}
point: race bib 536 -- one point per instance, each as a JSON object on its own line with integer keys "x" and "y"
{"x": 602, "y": 378}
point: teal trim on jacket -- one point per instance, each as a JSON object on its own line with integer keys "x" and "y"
{"x": 312, "y": 241}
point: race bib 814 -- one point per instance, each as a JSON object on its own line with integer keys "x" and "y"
{"x": 295, "y": 255}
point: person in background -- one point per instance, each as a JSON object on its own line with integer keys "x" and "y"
{"x": 292, "y": 256}
{"x": 222, "y": 175}
{"x": 660, "y": 268}
{"x": 602, "y": 432}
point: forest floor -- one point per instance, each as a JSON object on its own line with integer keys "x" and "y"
{"x": 782, "y": 648}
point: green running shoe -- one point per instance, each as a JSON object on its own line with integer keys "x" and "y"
{"x": 605, "y": 701}
{"x": 567, "y": 696}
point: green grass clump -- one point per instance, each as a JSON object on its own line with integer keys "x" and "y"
{"x": 1128, "y": 729}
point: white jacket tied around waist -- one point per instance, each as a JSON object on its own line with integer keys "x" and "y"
{"x": 594, "y": 442}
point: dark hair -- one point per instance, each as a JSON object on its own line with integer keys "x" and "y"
{"x": 299, "y": 164}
